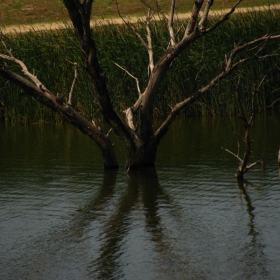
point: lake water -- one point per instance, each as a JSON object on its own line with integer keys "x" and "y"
{"x": 63, "y": 217}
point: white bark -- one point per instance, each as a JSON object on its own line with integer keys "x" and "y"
{"x": 70, "y": 96}
{"x": 136, "y": 80}
{"x": 129, "y": 118}
{"x": 25, "y": 71}
{"x": 149, "y": 40}
{"x": 171, "y": 22}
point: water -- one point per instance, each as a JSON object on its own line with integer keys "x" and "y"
{"x": 63, "y": 217}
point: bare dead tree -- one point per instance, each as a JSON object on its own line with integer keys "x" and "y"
{"x": 247, "y": 122}
{"x": 139, "y": 138}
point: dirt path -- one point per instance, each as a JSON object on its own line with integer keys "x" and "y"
{"x": 61, "y": 25}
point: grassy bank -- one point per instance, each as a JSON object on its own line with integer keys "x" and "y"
{"x": 47, "y": 52}
{"x": 29, "y": 11}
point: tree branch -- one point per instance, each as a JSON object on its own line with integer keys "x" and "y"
{"x": 171, "y": 22}
{"x": 247, "y": 124}
{"x": 149, "y": 40}
{"x": 224, "y": 18}
{"x": 194, "y": 16}
{"x": 137, "y": 81}
{"x": 70, "y": 96}
{"x": 25, "y": 71}
{"x": 235, "y": 155}
{"x": 203, "y": 21}
{"x": 131, "y": 27}
{"x": 129, "y": 112}
{"x": 56, "y": 104}
{"x": 230, "y": 65}
{"x": 248, "y": 167}
{"x": 80, "y": 16}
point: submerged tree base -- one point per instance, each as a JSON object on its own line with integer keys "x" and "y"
{"x": 144, "y": 156}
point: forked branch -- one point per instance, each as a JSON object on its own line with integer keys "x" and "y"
{"x": 230, "y": 65}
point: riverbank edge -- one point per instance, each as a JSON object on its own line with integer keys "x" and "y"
{"x": 63, "y": 24}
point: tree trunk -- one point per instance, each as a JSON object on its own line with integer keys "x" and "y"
{"x": 109, "y": 158}
{"x": 141, "y": 155}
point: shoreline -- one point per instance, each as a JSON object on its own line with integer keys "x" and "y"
{"x": 62, "y": 24}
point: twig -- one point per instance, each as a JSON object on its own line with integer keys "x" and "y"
{"x": 25, "y": 71}
{"x": 130, "y": 26}
{"x": 224, "y": 18}
{"x": 137, "y": 81}
{"x": 193, "y": 19}
{"x": 75, "y": 65}
{"x": 273, "y": 103}
{"x": 108, "y": 133}
{"x": 230, "y": 152}
{"x": 147, "y": 45}
{"x": 248, "y": 167}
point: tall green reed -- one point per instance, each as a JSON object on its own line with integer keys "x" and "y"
{"x": 48, "y": 53}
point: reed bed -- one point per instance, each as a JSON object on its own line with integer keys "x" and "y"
{"x": 48, "y": 53}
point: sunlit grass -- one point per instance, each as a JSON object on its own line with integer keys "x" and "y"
{"x": 29, "y": 11}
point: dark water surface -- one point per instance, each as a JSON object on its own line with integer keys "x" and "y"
{"x": 63, "y": 217}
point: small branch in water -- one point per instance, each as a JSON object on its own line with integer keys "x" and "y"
{"x": 247, "y": 124}
{"x": 261, "y": 161}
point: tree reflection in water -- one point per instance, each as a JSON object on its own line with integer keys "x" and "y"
{"x": 143, "y": 189}
{"x": 255, "y": 258}
{"x": 96, "y": 239}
